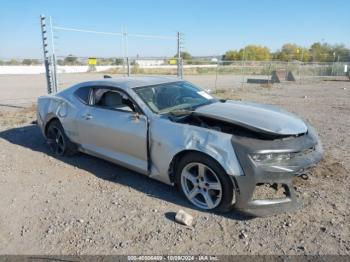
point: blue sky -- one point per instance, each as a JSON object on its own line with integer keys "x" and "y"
{"x": 210, "y": 27}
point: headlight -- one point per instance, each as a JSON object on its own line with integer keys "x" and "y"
{"x": 272, "y": 157}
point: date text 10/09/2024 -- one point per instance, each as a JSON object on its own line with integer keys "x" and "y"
{"x": 173, "y": 258}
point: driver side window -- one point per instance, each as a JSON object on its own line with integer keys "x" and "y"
{"x": 112, "y": 99}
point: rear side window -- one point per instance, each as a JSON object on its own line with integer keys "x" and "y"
{"x": 112, "y": 100}
{"x": 83, "y": 94}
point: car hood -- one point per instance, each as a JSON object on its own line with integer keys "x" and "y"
{"x": 256, "y": 117}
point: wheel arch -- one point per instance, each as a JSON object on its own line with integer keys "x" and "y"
{"x": 231, "y": 181}
{"x": 179, "y": 155}
{"x": 50, "y": 119}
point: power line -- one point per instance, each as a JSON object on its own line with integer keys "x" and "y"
{"x": 85, "y": 31}
{"x": 153, "y": 36}
{"x": 112, "y": 33}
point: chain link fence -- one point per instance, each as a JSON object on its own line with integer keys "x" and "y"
{"x": 233, "y": 74}
{"x": 210, "y": 74}
{"x": 213, "y": 74}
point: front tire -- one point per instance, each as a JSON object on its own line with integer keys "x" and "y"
{"x": 58, "y": 141}
{"x": 204, "y": 182}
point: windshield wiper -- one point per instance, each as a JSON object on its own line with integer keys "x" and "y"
{"x": 180, "y": 112}
{"x": 188, "y": 110}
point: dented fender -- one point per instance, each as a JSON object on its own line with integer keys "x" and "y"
{"x": 167, "y": 139}
{"x": 56, "y": 107}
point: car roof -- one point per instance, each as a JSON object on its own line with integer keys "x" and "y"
{"x": 133, "y": 81}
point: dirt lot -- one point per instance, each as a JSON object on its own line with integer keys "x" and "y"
{"x": 83, "y": 205}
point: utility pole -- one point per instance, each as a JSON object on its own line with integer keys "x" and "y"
{"x": 46, "y": 56}
{"x": 128, "y": 65}
{"x": 216, "y": 76}
{"x": 53, "y": 59}
{"x": 123, "y": 49}
{"x": 179, "y": 59}
{"x": 126, "y": 50}
{"x": 243, "y": 65}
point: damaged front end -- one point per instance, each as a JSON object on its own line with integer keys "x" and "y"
{"x": 268, "y": 161}
{"x": 273, "y": 162}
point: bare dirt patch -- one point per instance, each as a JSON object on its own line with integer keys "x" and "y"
{"x": 18, "y": 117}
{"x": 84, "y": 205}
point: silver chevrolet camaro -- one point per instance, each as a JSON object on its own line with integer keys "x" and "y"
{"x": 218, "y": 152}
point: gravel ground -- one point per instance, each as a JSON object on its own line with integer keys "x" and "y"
{"x": 83, "y": 205}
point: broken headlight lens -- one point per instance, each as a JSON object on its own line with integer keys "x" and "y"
{"x": 272, "y": 157}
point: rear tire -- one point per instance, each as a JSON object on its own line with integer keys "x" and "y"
{"x": 204, "y": 182}
{"x": 58, "y": 141}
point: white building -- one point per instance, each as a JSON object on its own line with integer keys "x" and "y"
{"x": 149, "y": 62}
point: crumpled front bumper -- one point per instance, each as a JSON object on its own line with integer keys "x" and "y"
{"x": 281, "y": 173}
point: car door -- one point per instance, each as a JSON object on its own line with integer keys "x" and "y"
{"x": 112, "y": 129}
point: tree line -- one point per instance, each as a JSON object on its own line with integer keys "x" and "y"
{"x": 21, "y": 62}
{"x": 69, "y": 60}
{"x": 317, "y": 52}
{"x": 73, "y": 60}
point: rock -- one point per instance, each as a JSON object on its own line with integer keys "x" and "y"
{"x": 242, "y": 235}
{"x": 80, "y": 220}
{"x": 286, "y": 224}
{"x": 122, "y": 244}
{"x": 183, "y": 218}
{"x": 301, "y": 248}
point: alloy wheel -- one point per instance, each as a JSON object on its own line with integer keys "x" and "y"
{"x": 201, "y": 185}
{"x": 56, "y": 140}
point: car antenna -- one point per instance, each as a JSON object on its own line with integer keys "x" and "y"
{"x": 107, "y": 76}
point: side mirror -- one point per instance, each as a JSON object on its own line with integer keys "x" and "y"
{"x": 135, "y": 116}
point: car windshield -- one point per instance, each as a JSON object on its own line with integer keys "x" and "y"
{"x": 176, "y": 96}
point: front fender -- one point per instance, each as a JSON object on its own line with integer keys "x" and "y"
{"x": 168, "y": 139}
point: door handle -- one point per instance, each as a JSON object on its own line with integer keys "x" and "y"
{"x": 87, "y": 116}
